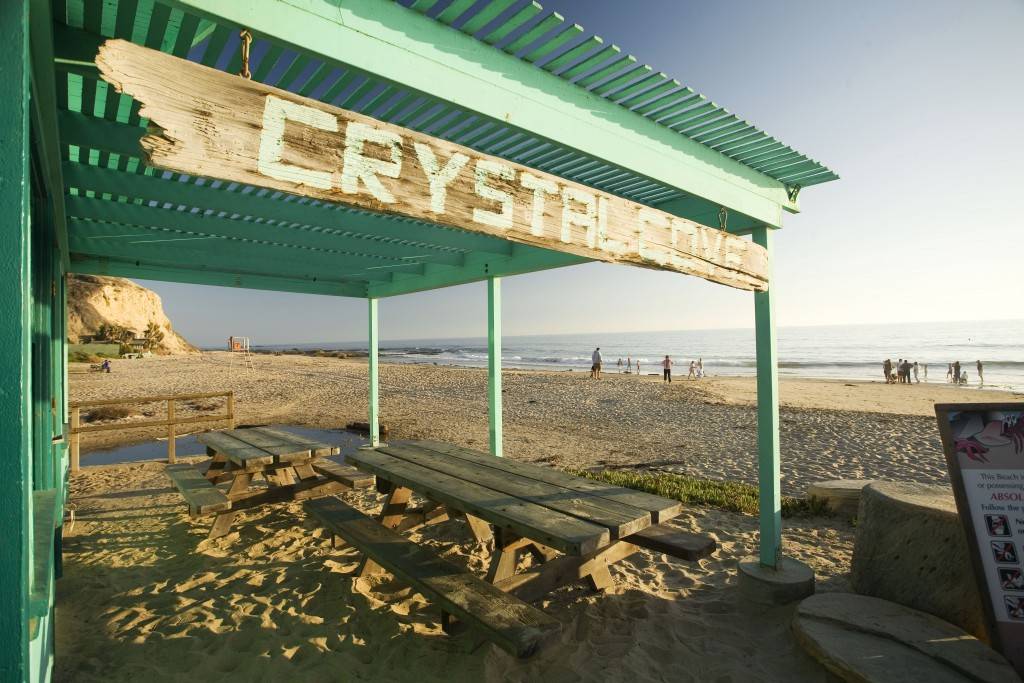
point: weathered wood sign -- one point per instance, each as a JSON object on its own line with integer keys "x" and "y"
{"x": 210, "y": 123}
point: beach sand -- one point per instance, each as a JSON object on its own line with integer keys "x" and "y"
{"x": 146, "y": 597}
{"x": 830, "y": 429}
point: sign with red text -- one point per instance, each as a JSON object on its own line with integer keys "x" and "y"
{"x": 210, "y": 123}
{"x": 984, "y": 446}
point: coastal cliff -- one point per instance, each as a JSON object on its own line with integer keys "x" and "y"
{"x": 95, "y": 301}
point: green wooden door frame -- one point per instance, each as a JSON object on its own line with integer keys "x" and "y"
{"x": 767, "y": 413}
{"x": 406, "y": 47}
{"x": 373, "y": 418}
{"x": 15, "y": 362}
{"x": 494, "y": 364}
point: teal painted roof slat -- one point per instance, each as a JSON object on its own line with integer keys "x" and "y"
{"x": 607, "y": 73}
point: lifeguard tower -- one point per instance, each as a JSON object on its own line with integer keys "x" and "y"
{"x": 240, "y": 345}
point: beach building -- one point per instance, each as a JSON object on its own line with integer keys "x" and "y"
{"x": 369, "y": 149}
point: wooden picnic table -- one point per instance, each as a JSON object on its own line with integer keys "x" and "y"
{"x": 575, "y": 527}
{"x": 291, "y": 465}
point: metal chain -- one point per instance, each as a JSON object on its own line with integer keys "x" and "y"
{"x": 723, "y": 217}
{"x": 246, "y": 42}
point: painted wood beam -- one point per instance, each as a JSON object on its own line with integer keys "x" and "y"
{"x": 405, "y": 47}
{"x": 525, "y": 260}
{"x": 770, "y": 496}
{"x": 175, "y": 272}
{"x": 316, "y": 238}
{"x": 213, "y": 252}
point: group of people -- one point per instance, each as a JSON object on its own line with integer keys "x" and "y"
{"x": 955, "y": 375}
{"x": 696, "y": 369}
{"x": 597, "y": 361}
{"x": 902, "y": 371}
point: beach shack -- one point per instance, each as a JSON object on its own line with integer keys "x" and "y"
{"x": 357, "y": 148}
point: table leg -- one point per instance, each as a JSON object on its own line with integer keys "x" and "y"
{"x": 536, "y": 583}
{"x": 506, "y": 556}
{"x": 222, "y": 522}
{"x": 218, "y": 463}
{"x": 305, "y": 471}
{"x": 390, "y": 516}
{"x": 481, "y": 529}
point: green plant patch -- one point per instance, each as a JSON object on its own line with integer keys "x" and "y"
{"x": 732, "y": 496}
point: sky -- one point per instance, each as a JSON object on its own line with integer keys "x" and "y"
{"x": 918, "y": 106}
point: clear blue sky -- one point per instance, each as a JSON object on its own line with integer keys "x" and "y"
{"x": 918, "y": 106}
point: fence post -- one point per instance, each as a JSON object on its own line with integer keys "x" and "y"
{"x": 231, "y": 410}
{"x": 170, "y": 431}
{"x": 74, "y": 436}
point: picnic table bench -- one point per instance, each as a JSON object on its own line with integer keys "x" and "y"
{"x": 289, "y": 463}
{"x": 574, "y": 527}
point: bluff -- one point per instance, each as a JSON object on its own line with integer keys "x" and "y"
{"x": 94, "y": 301}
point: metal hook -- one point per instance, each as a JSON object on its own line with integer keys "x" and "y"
{"x": 246, "y": 37}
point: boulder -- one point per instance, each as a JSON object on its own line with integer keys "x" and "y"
{"x": 842, "y": 495}
{"x": 865, "y": 639}
{"x": 910, "y": 548}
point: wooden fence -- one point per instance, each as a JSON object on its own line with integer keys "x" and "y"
{"x": 170, "y": 422}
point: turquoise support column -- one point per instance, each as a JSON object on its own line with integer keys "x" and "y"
{"x": 374, "y": 419}
{"x": 15, "y": 339}
{"x": 768, "y": 413}
{"x": 494, "y": 362}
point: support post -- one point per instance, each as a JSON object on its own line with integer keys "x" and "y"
{"x": 767, "y": 413}
{"x": 15, "y": 340}
{"x": 74, "y": 438}
{"x": 231, "y": 410}
{"x": 171, "y": 450}
{"x": 374, "y": 418}
{"x": 494, "y": 363}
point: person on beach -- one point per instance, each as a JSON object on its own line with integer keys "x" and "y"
{"x": 693, "y": 370}
{"x": 887, "y": 370}
{"x": 956, "y": 372}
{"x": 620, "y": 365}
{"x": 638, "y": 366}
{"x": 700, "y": 368}
{"x": 949, "y": 372}
{"x": 924, "y": 366}
{"x": 629, "y": 364}
{"x": 981, "y": 376}
{"x": 899, "y": 371}
{"x": 666, "y": 366}
{"x": 595, "y": 368}
{"x": 105, "y": 367}
{"x": 916, "y": 380}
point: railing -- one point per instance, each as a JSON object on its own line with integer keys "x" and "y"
{"x": 170, "y": 422}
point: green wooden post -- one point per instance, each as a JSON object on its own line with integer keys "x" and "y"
{"x": 494, "y": 362}
{"x": 768, "y": 413}
{"x": 374, "y": 419}
{"x": 15, "y": 361}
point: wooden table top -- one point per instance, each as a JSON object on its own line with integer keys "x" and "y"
{"x": 259, "y": 447}
{"x": 573, "y": 514}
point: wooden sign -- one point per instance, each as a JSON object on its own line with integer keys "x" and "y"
{"x": 984, "y": 446}
{"x": 210, "y": 123}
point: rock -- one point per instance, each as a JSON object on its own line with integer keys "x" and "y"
{"x": 842, "y": 495}
{"x": 95, "y": 300}
{"x": 910, "y": 548}
{"x": 865, "y": 639}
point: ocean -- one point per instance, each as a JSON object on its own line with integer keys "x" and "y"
{"x": 834, "y": 352}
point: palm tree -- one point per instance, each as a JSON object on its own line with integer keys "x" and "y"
{"x": 153, "y": 335}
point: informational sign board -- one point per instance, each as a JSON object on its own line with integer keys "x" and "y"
{"x": 210, "y": 123}
{"x": 984, "y": 446}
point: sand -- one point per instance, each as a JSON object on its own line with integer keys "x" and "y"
{"x": 830, "y": 429}
{"x": 146, "y": 597}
